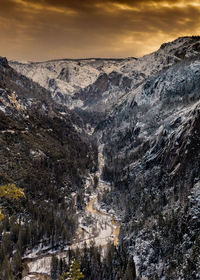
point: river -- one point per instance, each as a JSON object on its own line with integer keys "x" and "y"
{"x": 104, "y": 229}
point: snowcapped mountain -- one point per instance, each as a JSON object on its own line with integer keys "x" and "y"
{"x": 65, "y": 78}
{"x": 28, "y": 110}
{"x": 98, "y": 84}
{"x": 152, "y": 158}
{"x": 38, "y": 140}
{"x": 146, "y": 112}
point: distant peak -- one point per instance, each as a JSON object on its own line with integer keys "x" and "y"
{"x": 189, "y": 39}
{"x": 3, "y": 61}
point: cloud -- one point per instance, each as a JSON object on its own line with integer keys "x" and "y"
{"x": 45, "y": 29}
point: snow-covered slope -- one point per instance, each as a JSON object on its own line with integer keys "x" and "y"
{"x": 34, "y": 135}
{"x": 98, "y": 84}
{"x": 152, "y": 158}
{"x": 66, "y": 77}
{"x": 150, "y": 131}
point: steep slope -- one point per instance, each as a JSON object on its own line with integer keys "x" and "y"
{"x": 73, "y": 81}
{"x": 146, "y": 113}
{"x": 152, "y": 158}
{"x": 96, "y": 85}
{"x": 43, "y": 149}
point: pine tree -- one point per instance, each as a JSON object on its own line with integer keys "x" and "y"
{"x": 5, "y": 270}
{"x": 17, "y": 263}
{"x": 10, "y": 191}
{"x": 54, "y": 268}
{"x": 130, "y": 270}
{"x": 74, "y": 272}
{"x": 19, "y": 242}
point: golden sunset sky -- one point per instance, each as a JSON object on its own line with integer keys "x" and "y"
{"x": 37, "y": 30}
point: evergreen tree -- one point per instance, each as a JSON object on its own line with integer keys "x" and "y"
{"x": 10, "y": 191}
{"x": 17, "y": 264}
{"x": 74, "y": 272}
{"x": 130, "y": 270}
{"x": 5, "y": 269}
{"x": 54, "y": 268}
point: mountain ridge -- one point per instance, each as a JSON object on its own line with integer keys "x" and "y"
{"x": 145, "y": 115}
{"x": 45, "y": 151}
{"x": 69, "y": 80}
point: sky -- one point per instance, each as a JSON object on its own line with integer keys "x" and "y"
{"x": 38, "y": 30}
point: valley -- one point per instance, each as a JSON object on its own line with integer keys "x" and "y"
{"x": 108, "y": 154}
{"x": 104, "y": 230}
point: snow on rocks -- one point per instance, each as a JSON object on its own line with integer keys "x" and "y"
{"x": 40, "y": 266}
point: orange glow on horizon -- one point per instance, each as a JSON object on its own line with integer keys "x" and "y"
{"x": 46, "y": 29}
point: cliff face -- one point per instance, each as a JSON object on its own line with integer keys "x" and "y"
{"x": 158, "y": 182}
{"x": 146, "y": 111}
{"x": 152, "y": 151}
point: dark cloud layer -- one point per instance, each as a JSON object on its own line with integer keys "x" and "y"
{"x": 45, "y": 29}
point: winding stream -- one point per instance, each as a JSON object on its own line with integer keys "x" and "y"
{"x": 115, "y": 225}
{"x": 106, "y": 227}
